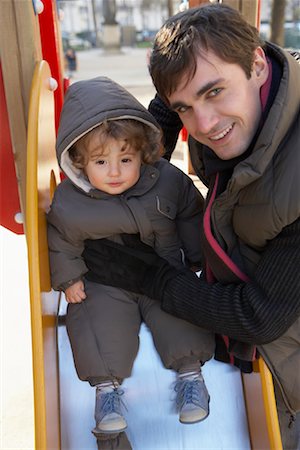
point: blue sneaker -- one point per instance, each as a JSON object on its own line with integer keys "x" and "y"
{"x": 192, "y": 398}
{"x": 108, "y": 414}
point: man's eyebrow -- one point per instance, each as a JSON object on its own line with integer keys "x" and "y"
{"x": 208, "y": 86}
{"x": 200, "y": 92}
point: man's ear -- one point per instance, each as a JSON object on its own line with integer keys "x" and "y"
{"x": 260, "y": 67}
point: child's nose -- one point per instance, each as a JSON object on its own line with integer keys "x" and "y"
{"x": 114, "y": 169}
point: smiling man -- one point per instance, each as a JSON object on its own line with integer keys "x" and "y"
{"x": 212, "y": 104}
{"x": 239, "y": 99}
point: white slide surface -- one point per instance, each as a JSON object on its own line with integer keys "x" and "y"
{"x": 149, "y": 397}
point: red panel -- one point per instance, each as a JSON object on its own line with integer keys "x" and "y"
{"x": 51, "y": 53}
{"x": 184, "y": 134}
{"x": 10, "y": 204}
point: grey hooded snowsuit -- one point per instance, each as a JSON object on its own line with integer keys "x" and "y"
{"x": 164, "y": 207}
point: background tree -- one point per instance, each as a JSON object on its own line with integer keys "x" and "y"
{"x": 277, "y": 22}
{"x": 170, "y": 8}
{"x": 109, "y": 12}
{"x": 95, "y": 22}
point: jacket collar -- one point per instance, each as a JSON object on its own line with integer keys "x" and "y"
{"x": 280, "y": 118}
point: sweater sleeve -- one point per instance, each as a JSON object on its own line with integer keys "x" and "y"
{"x": 169, "y": 122}
{"x": 256, "y": 312}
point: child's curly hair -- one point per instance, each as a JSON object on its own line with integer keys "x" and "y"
{"x": 138, "y": 136}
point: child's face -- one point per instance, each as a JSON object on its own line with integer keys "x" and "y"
{"x": 116, "y": 169}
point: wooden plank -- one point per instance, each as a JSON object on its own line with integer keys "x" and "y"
{"x": 261, "y": 408}
{"x": 234, "y": 3}
{"x": 20, "y": 50}
{"x": 193, "y": 3}
{"x": 42, "y": 175}
{"x": 249, "y": 9}
{"x": 270, "y": 405}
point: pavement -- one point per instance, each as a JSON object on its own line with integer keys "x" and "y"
{"x": 129, "y": 68}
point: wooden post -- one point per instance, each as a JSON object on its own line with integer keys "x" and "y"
{"x": 20, "y": 50}
{"x": 42, "y": 176}
{"x": 249, "y": 9}
{"x": 193, "y": 3}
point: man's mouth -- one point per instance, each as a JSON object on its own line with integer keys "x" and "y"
{"x": 222, "y": 134}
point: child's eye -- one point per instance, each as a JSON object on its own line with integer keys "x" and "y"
{"x": 100, "y": 161}
{"x": 126, "y": 160}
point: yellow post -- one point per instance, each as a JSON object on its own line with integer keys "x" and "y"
{"x": 42, "y": 176}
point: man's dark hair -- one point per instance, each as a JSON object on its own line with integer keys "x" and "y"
{"x": 187, "y": 35}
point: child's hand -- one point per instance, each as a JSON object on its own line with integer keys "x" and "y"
{"x": 75, "y": 293}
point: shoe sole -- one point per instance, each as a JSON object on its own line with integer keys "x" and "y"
{"x": 96, "y": 431}
{"x": 192, "y": 422}
{"x": 185, "y": 422}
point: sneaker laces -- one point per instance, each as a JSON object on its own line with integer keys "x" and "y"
{"x": 189, "y": 391}
{"x": 108, "y": 403}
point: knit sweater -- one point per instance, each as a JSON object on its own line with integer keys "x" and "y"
{"x": 234, "y": 309}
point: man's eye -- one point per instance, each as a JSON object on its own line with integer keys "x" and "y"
{"x": 214, "y": 92}
{"x": 181, "y": 109}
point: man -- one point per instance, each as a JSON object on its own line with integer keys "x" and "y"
{"x": 239, "y": 99}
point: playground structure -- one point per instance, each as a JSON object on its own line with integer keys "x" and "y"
{"x": 32, "y": 89}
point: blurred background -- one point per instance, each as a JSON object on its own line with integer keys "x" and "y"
{"x": 110, "y": 24}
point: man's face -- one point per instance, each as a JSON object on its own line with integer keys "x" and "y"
{"x": 220, "y": 107}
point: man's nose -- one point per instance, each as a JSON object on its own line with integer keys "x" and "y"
{"x": 205, "y": 120}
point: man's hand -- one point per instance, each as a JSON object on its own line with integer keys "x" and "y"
{"x": 133, "y": 266}
{"x": 75, "y": 293}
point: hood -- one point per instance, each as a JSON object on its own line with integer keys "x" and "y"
{"x": 87, "y": 104}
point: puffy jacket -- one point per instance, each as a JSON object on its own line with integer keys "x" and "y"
{"x": 255, "y": 223}
{"x": 164, "y": 207}
{"x": 262, "y": 195}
